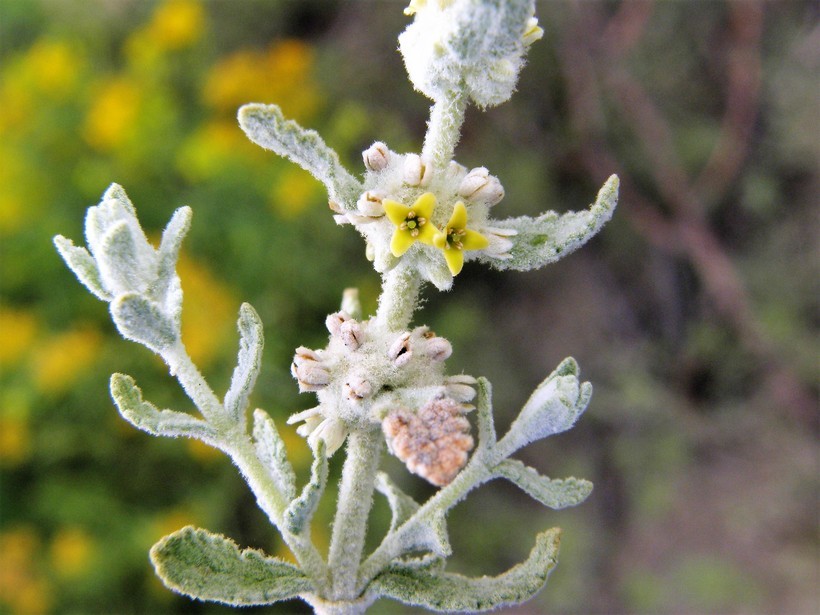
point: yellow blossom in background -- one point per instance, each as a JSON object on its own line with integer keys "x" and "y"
{"x": 176, "y": 24}
{"x": 53, "y": 67}
{"x": 210, "y": 321}
{"x": 208, "y": 150}
{"x": 110, "y": 121}
{"x": 171, "y": 521}
{"x": 72, "y": 552}
{"x": 294, "y": 190}
{"x": 280, "y": 74}
{"x": 22, "y": 590}
{"x": 60, "y": 360}
{"x": 17, "y": 331}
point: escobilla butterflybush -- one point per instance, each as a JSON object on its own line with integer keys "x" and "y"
{"x": 380, "y": 382}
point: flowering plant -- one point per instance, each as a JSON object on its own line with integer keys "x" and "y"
{"x": 378, "y": 381}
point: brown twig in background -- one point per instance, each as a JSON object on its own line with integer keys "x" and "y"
{"x": 592, "y": 54}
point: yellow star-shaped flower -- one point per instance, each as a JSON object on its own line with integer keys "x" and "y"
{"x": 412, "y": 223}
{"x": 456, "y": 237}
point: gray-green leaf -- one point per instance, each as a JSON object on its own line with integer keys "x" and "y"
{"x": 446, "y": 592}
{"x": 167, "y": 282}
{"x": 266, "y": 126}
{"x": 147, "y": 417}
{"x": 249, "y": 361}
{"x": 300, "y": 510}
{"x": 486, "y": 425}
{"x": 83, "y": 265}
{"x": 554, "y": 493}
{"x": 208, "y": 566}
{"x": 550, "y": 237}
{"x": 401, "y": 505}
{"x": 141, "y": 320}
{"x": 271, "y": 452}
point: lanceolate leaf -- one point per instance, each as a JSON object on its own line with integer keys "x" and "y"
{"x": 550, "y": 237}
{"x": 141, "y": 320}
{"x": 401, "y": 505}
{"x": 168, "y": 252}
{"x": 208, "y": 566}
{"x": 249, "y": 361}
{"x": 145, "y": 416}
{"x": 83, "y": 265}
{"x": 266, "y": 126}
{"x": 445, "y": 592}
{"x": 271, "y": 452}
{"x": 554, "y": 493}
{"x": 300, "y": 511}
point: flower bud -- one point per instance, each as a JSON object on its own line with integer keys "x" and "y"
{"x": 352, "y": 334}
{"x": 416, "y": 171}
{"x": 533, "y": 32}
{"x": 311, "y": 376}
{"x": 357, "y": 388}
{"x": 370, "y": 204}
{"x": 334, "y": 322}
{"x": 479, "y": 186}
{"x": 400, "y": 351}
{"x": 332, "y": 431}
{"x": 460, "y": 387}
{"x": 438, "y": 349}
{"x": 376, "y": 157}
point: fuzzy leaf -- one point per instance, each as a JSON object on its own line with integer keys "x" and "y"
{"x": 446, "y": 592}
{"x": 401, "y": 505}
{"x": 83, "y": 265}
{"x": 211, "y": 567}
{"x": 266, "y": 126}
{"x": 429, "y": 534}
{"x": 271, "y": 452}
{"x": 484, "y": 414}
{"x": 554, "y": 493}
{"x": 553, "y": 407}
{"x": 141, "y": 320}
{"x": 167, "y": 282}
{"x": 300, "y": 510}
{"x": 249, "y": 361}
{"x": 550, "y": 237}
{"x": 145, "y": 416}
{"x": 123, "y": 267}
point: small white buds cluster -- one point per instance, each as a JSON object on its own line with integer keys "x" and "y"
{"x": 365, "y": 371}
{"x": 433, "y": 442}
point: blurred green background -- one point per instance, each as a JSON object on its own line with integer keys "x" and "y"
{"x": 694, "y": 313}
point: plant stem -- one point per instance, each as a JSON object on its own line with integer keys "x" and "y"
{"x": 468, "y": 479}
{"x": 400, "y": 291}
{"x": 364, "y": 448}
{"x": 237, "y": 444}
{"x": 444, "y": 129}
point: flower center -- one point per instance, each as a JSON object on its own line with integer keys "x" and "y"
{"x": 454, "y": 236}
{"x": 413, "y": 222}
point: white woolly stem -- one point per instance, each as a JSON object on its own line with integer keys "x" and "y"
{"x": 236, "y": 443}
{"x": 444, "y": 129}
{"x": 400, "y": 291}
{"x": 364, "y": 448}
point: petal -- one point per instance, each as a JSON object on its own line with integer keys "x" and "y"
{"x": 395, "y": 211}
{"x": 424, "y": 205}
{"x": 455, "y": 260}
{"x": 440, "y": 239}
{"x": 427, "y": 233}
{"x": 459, "y": 218}
{"x": 401, "y": 242}
{"x": 471, "y": 240}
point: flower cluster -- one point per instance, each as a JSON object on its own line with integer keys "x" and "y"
{"x": 368, "y": 376}
{"x": 431, "y": 219}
